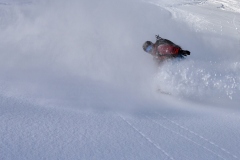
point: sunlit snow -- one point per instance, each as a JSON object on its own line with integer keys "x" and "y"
{"x": 76, "y": 84}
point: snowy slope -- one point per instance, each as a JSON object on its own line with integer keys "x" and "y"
{"x": 75, "y": 83}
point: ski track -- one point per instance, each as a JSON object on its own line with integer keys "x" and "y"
{"x": 188, "y": 4}
{"x": 187, "y": 138}
{"x": 218, "y": 22}
{"x": 177, "y": 5}
{"x": 231, "y": 5}
{"x": 180, "y": 135}
{"x": 204, "y": 24}
{"x": 198, "y": 135}
{"x": 147, "y": 138}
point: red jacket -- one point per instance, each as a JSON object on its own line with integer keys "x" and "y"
{"x": 165, "y": 49}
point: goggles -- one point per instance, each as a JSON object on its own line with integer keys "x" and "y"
{"x": 149, "y": 48}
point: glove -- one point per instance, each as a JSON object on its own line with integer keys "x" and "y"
{"x": 184, "y": 52}
{"x": 158, "y": 37}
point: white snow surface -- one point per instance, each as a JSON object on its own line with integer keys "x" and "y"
{"x": 76, "y": 84}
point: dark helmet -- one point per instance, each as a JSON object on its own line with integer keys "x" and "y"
{"x": 148, "y": 46}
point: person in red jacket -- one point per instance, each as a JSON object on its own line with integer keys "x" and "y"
{"x": 164, "y": 49}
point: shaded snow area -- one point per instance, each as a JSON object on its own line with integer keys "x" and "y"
{"x": 76, "y": 84}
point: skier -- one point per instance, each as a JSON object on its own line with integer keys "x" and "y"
{"x": 164, "y": 49}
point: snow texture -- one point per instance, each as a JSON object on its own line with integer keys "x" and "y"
{"x": 76, "y": 84}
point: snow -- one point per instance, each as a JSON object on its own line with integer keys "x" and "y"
{"x": 76, "y": 84}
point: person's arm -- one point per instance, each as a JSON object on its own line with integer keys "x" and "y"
{"x": 158, "y": 40}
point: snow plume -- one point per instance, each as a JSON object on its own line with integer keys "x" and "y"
{"x": 211, "y": 73}
{"x": 85, "y": 54}
{"x": 193, "y": 80}
{"x": 75, "y": 52}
